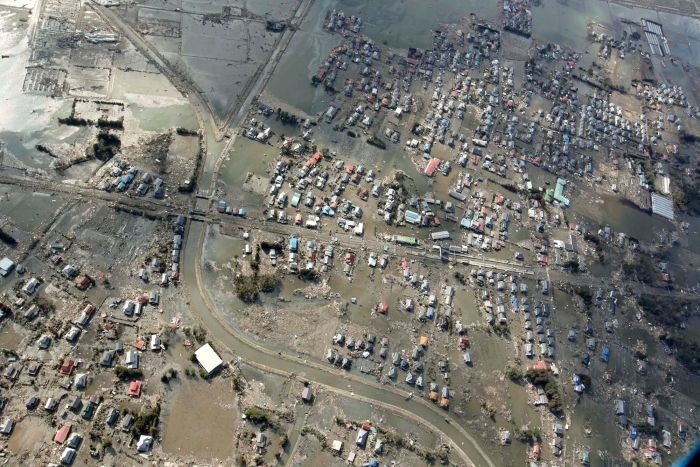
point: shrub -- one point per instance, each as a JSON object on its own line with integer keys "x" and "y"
{"x": 260, "y": 416}
{"x": 514, "y": 373}
{"x": 310, "y": 275}
{"x": 528, "y": 435}
{"x": 640, "y": 269}
{"x": 112, "y": 124}
{"x": 571, "y": 265}
{"x": 8, "y": 239}
{"x": 185, "y": 132}
{"x": 374, "y": 140}
{"x": 544, "y": 379}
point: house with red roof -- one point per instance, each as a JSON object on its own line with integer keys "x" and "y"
{"x": 62, "y": 434}
{"x": 67, "y": 367}
{"x": 135, "y": 388}
{"x": 432, "y": 166}
{"x": 540, "y": 365}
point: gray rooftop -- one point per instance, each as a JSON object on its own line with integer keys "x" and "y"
{"x": 662, "y": 206}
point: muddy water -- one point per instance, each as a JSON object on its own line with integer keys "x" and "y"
{"x": 606, "y": 209}
{"x": 684, "y": 260}
{"x": 403, "y": 24}
{"x": 621, "y": 216}
{"x": 309, "y": 46}
{"x": 246, "y": 156}
{"x": 22, "y": 145}
{"x": 27, "y": 210}
{"x": 490, "y": 352}
{"x": 396, "y": 23}
{"x": 98, "y": 383}
{"x": 202, "y": 419}
{"x": 588, "y": 410}
{"x": 410, "y": 23}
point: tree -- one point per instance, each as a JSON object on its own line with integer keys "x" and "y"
{"x": 268, "y": 283}
{"x": 571, "y": 265}
{"x": 246, "y": 289}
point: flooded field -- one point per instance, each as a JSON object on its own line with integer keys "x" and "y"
{"x": 222, "y": 56}
{"x": 165, "y": 118}
{"x": 622, "y": 216}
{"x": 27, "y": 435}
{"x": 10, "y": 338}
{"x": 471, "y": 356}
{"x": 29, "y": 210}
{"x": 201, "y": 419}
{"x": 395, "y": 23}
{"x": 409, "y": 23}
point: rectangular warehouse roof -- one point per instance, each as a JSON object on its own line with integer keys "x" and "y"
{"x": 208, "y": 358}
{"x": 662, "y": 206}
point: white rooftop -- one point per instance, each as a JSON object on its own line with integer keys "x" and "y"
{"x": 6, "y": 265}
{"x": 208, "y": 358}
{"x": 144, "y": 444}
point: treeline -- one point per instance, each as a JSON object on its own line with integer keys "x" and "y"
{"x": 286, "y": 117}
{"x": 185, "y": 132}
{"x": 101, "y": 123}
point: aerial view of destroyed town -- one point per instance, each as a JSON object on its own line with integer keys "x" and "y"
{"x": 350, "y": 232}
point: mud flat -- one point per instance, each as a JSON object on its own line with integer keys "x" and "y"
{"x": 201, "y": 420}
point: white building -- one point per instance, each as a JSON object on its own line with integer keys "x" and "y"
{"x": 6, "y": 426}
{"x": 144, "y": 444}
{"x": 6, "y": 266}
{"x": 31, "y": 286}
{"x": 155, "y": 342}
{"x": 67, "y": 456}
{"x": 208, "y": 358}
